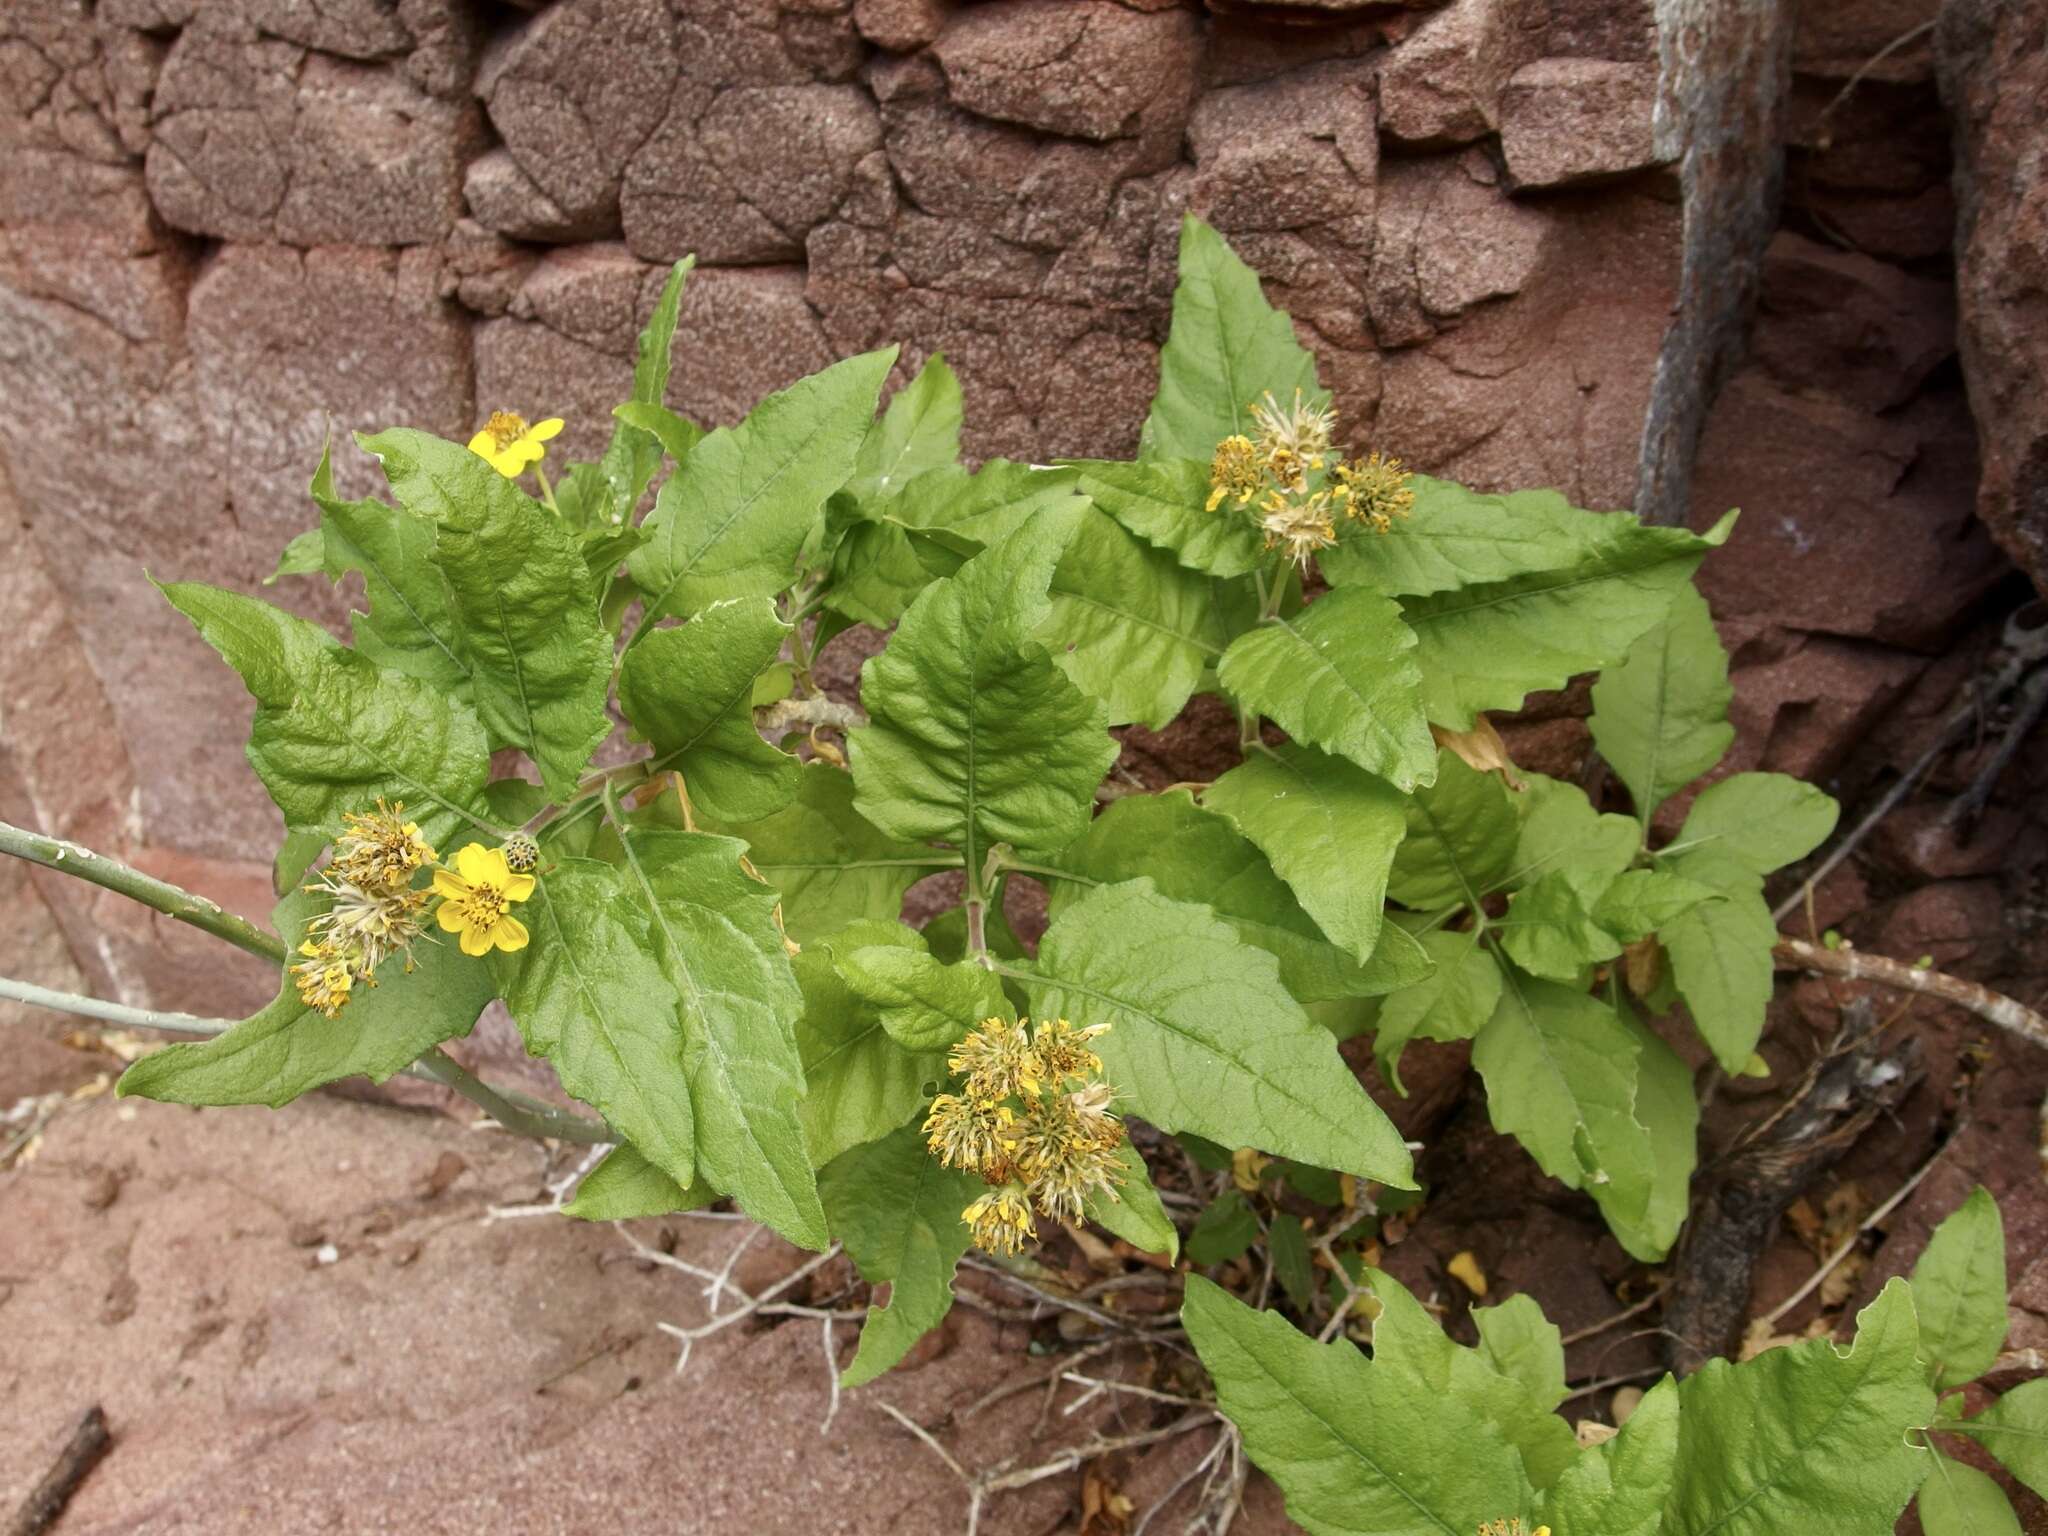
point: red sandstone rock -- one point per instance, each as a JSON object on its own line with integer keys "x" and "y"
{"x": 1574, "y": 120}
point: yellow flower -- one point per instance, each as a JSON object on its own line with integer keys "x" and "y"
{"x": 1301, "y": 528}
{"x": 1512, "y": 1526}
{"x": 508, "y": 444}
{"x": 474, "y": 896}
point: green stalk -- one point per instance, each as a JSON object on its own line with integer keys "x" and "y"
{"x": 518, "y": 1114}
{"x": 98, "y": 869}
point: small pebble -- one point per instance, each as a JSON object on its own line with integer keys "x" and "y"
{"x": 327, "y": 1253}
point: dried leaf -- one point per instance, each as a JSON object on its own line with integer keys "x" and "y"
{"x": 1481, "y": 748}
{"x": 1464, "y": 1267}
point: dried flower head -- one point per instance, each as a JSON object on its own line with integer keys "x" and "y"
{"x": 1299, "y": 527}
{"x": 1001, "y": 1220}
{"x": 324, "y": 982}
{"x": 521, "y": 852}
{"x": 996, "y": 1061}
{"x": 1511, "y": 1526}
{"x": 1298, "y": 435}
{"x": 1374, "y": 491}
{"x": 1234, "y": 472}
{"x": 1034, "y": 1121}
{"x": 378, "y": 850}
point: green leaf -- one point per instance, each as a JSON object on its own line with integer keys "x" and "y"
{"x": 1561, "y": 830}
{"x": 1135, "y": 1213}
{"x": 1165, "y": 502}
{"x": 1227, "y": 1227}
{"x": 411, "y": 626}
{"x": 898, "y": 1213}
{"x": 924, "y": 1004}
{"x": 690, "y": 692}
{"x": 1958, "y": 1500}
{"x": 729, "y": 522}
{"x": 1455, "y": 537}
{"x": 591, "y": 993}
{"x": 1639, "y": 902}
{"x": 1620, "y": 1487}
{"x": 633, "y": 457}
{"x": 1806, "y": 1437}
{"x": 975, "y": 737}
{"x": 1560, "y": 1071}
{"x": 860, "y": 1084}
{"x": 1351, "y": 1446}
{"x": 1763, "y": 821}
{"x": 1460, "y": 839}
{"x": 1660, "y": 718}
{"x": 1338, "y": 676}
{"x": 1330, "y": 830}
{"x": 830, "y": 864}
{"x": 677, "y": 435}
{"x": 985, "y": 507}
{"x": 1409, "y": 1344}
{"x": 1490, "y": 646}
{"x": 627, "y": 1185}
{"x": 715, "y": 938}
{"x": 1668, "y": 1105}
{"x": 1959, "y": 1292}
{"x": 333, "y": 731}
{"x": 1720, "y": 954}
{"x": 306, "y": 555}
{"x": 1226, "y": 347}
{"x": 1203, "y": 1037}
{"x": 1517, "y": 1340}
{"x": 1549, "y": 929}
{"x": 919, "y": 431}
{"x": 2014, "y": 1429}
{"x": 1195, "y": 855}
{"x": 288, "y": 1049}
{"x": 881, "y": 564}
{"x": 539, "y": 662}
{"x": 1453, "y": 1003}
{"x": 1287, "y": 1243}
{"x": 1130, "y": 625}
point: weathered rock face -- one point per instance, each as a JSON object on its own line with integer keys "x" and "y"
{"x": 229, "y": 227}
{"x": 1994, "y": 76}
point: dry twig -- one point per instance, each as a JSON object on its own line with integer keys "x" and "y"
{"x": 1854, "y": 965}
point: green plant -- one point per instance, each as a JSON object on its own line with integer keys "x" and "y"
{"x": 1428, "y": 1436}
{"x": 705, "y": 941}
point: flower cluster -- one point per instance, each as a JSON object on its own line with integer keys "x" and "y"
{"x": 1512, "y": 1526}
{"x": 1033, "y": 1119}
{"x": 373, "y": 912}
{"x": 1288, "y": 479}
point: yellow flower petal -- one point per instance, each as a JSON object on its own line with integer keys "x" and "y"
{"x": 545, "y": 431}
{"x": 448, "y": 917}
{"x": 483, "y": 445}
{"x": 475, "y": 941}
{"x": 447, "y": 884}
{"x": 522, "y": 453}
{"x": 518, "y": 887}
{"x": 474, "y": 864}
{"x": 508, "y": 933}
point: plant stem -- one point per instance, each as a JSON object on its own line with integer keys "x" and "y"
{"x": 516, "y": 1113}
{"x": 97, "y": 868}
{"x": 109, "y": 1013}
{"x": 547, "y": 492}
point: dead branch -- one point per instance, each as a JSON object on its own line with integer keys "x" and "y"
{"x": 1854, "y": 965}
{"x": 82, "y": 1452}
